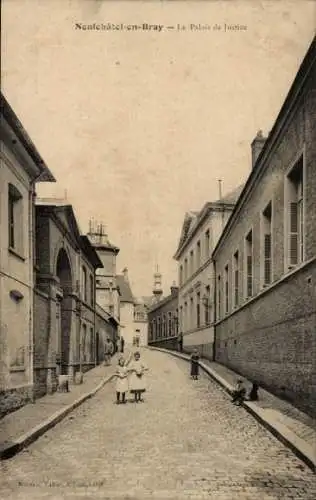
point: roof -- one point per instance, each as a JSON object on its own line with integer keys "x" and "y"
{"x": 125, "y": 291}
{"x": 14, "y": 123}
{"x": 306, "y": 70}
{"x": 194, "y": 219}
{"x": 69, "y": 222}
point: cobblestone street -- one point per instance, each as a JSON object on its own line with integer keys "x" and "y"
{"x": 185, "y": 441}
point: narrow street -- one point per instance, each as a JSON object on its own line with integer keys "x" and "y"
{"x": 185, "y": 441}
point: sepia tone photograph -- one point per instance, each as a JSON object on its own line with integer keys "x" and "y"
{"x": 158, "y": 250}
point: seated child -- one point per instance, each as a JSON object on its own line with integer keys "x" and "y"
{"x": 239, "y": 393}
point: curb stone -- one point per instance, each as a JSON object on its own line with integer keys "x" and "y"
{"x": 11, "y": 449}
{"x": 288, "y": 438}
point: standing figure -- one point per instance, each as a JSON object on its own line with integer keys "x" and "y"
{"x": 122, "y": 344}
{"x": 137, "y": 382}
{"x": 195, "y": 364}
{"x": 122, "y": 380}
{"x": 108, "y": 350}
{"x": 180, "y": 342}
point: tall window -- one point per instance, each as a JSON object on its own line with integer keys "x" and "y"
{"x": 198, "y": 309}
{"x": 226, "y": 290}
{"x": 191, "y": 262}
{"x": 181, "y": 275}
{"x": 154, "y": 329}
{"x": 186, "y": 269}
{"x": 191, "y": 313}
{"x": 91, "y": 345}
{"x": 15, "y": 218}
{"x": 159, "y": 327}
{"x": 186, "y": 322}
{"x": 198, "y": 255}
{"x": 236, "y": 278}
{"x": 91, "y": 290}
{"x": 181, "y": 319}
{"x": 249, "y": 264}
{"x": 84, "y": 284}
{"x": 164, "y": 329}
{"x": 219, "y": 297}
{"x": 266, "y": 245}
{"x": 207, "y": 244}
{"x": 83, "y": 342}
{"x": 169, "y": 324}
{"x": 207, "y": 304}
{"x": 295, "y": 214}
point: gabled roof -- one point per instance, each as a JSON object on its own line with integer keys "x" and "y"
{"x": 66, "y": 217}
{"x": 125, "y": 291}
{"x": 194, "y": 219}
{"x": 11, "y": 121}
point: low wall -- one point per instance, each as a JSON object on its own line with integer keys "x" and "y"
{"x": 13, "y": 399}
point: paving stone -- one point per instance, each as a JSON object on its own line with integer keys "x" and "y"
{"x": 185, "y": 441}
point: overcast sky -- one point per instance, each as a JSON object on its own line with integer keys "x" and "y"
{"x": 138, "y": 126}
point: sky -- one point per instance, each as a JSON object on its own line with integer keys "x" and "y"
{"x": 138, "y": 126}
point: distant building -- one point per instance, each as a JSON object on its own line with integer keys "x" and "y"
{"x": 163, "y": 321}
{"x": 21, "y": 168}
{"x": 65, "y": 302}
{"x": 141, "y": 322}
{"x": 200, "y": 233}
{"x": 127, "y": 303}
{"x": 265, "y": 260}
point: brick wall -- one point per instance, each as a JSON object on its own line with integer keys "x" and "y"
{"x": 271, "y": 338}
{"x": 41, "y": 331}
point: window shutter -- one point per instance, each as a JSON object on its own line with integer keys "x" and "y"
{"x": 293, "y": 236}
{"x": 267, "y": 259}
{"x": 249, "y": 275}
{"x": 236, "y": 287}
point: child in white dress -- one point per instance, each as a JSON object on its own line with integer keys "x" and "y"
{"x": 121, "y": 380}
{"x": 137, "y": 382}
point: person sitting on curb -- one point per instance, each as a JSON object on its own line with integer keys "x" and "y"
{"x": 239, "y": 393}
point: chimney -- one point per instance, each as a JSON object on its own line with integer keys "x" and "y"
{"x": 174, "y": 289}
{"x": 125, "y": 273}
{"x": 256, "y": 147}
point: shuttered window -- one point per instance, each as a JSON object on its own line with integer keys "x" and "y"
{"x": 267, "y": 259}
{"x": 236, "y": 279}
{"x": 296, "y": 215}
{"x": 249, "y": 265}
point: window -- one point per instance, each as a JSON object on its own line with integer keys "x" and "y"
{"x": 176, "y": 322}
{"x": 15, "y": 219}
{"x": 295, "y": 215}
{"x": 207, "y": 244}
{"x": 207, "y": 304}
{"x": 198, "y": 255}
{"x": 191, "y": 323}
{"x": 83, "y": 342}
{"x": 164, "y": 328}
{"x": 186, "y": 269}
{"x": 181, "y": 319}
{"x": 153, "y": 329}
{"x": 198, "y": 307}
{"x": 181, "y": 275}
{"x": 236, "y": 278}
{"x": 185, "y": 323}
{"x": 249, "y": 264}
{"x": 91, "y": 291}
{"x": 266, "y": 245}
{"x": 91, "y": 345}
{"x": 226, "y": 290}
{"x": 159, "y": 327}
{"x": 191, "y": 262}
{"x": 169, "y": 324}
{"x": 219, "y": 297}
{"x": 84, "y": 284}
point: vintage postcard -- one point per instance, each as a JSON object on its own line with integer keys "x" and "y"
{"x": 158, "y": 249}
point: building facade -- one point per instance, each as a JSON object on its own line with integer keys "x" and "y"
{"x": 163, "y": 321}
{"x": 200, "y": 233}
{"x": 21, "y": 167}
{"x": 106, "y": 327}
{"x": 141, "y": 322}
{"x": 265, "y": 260}
{"x": 127, "y": 305}
{"x": 65, "y": 301}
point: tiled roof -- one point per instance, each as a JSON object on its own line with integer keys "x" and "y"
{"x": 126, "y": 294}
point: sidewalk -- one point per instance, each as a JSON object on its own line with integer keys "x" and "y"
{"x": 23, "y": 426}
{"x": 291, "y": 426}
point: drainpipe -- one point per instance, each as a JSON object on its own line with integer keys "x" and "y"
{"x": 214, "y": 308}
